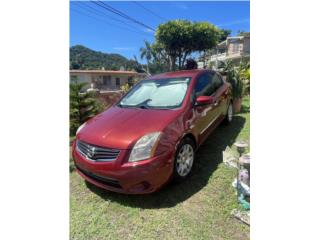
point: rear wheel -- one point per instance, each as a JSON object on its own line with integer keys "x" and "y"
{"x": 184, "y": 159}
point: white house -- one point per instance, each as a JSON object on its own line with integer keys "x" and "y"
{"x": 233, "y": 48}
{"x": 106, "y": 79}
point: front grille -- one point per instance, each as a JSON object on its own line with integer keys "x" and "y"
{"x": 103, "y": 180}
{"x": 95, "y": 153}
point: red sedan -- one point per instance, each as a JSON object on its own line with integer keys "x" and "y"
{"x": 151, "y": 135}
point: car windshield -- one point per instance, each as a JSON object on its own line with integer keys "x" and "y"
{"x": 161, "y": 93}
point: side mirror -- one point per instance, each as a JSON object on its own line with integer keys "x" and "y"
{"x": 204, "y": 100}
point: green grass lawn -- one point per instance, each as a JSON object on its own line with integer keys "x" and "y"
{"x": 198, "y": 208}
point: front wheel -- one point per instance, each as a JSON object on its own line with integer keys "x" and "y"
{"x": 184, "y": 159}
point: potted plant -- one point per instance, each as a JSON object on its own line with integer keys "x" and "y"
{"x": 238, "y": 76}
{"x": 234, "y": 77}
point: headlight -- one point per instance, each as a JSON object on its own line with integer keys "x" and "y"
{"x": 79, "y": 128}
{"x": 145, "y": 147}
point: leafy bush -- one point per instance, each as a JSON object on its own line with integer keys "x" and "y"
{"x": 126, "y": 87}
{"x": 82, "y": 106}
{"x": 233, "y": 77}
{"x": 238, "y": 76}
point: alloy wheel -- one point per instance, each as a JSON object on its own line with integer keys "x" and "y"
{"x": 185, "y": 160}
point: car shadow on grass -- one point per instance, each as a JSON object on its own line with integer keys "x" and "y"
{"x": 208, "y": 158}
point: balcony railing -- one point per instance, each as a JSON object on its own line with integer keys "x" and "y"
{"x": 222, "y": 56}
{"x": 218, "y": 56}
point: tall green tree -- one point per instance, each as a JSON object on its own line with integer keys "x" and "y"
{"x": 180, "y": 38}
{"x": 147, "y": 53}
{"x": 224, "y": 33}
{"x": 156, "y": 56}
{"x": 243, "y": 33}
{"x": 83, "y": 106}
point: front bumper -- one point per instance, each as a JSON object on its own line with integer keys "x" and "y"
{"x": 126, "y": 177}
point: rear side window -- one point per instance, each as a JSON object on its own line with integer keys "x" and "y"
{"x": 204, "y": 85}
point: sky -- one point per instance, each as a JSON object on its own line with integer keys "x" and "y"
{"x": 99, "y": 29}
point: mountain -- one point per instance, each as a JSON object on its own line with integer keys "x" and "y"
{"x": 84, "y": 58}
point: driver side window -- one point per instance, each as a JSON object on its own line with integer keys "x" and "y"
{"x": 204, "y": 85}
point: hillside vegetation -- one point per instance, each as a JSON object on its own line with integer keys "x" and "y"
{"x": 84, "y": 58}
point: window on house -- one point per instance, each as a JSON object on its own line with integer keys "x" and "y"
{"x": 74, "y": 78}
{"x": 235, "y": 47}
{"x": 130, "y": 81}
{"x": 106, "y": 80}
{"x": 118, "y": 82}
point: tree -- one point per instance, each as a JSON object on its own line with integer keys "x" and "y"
{"x": 146, "y": 52}
{"x": 134, "y": 65}
{"x": 82, "y": 106}
{"x": 180, "y": 38}
{"x": 243, "y": 33}
{"x": 224, "y": 33}
{"x": 74, "y": 65}
{"x": 156, "y": 56}
{"x": 85, "y": 58}
{"x": 191, "y": 64}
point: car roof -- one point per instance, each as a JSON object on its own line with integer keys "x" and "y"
{"x": 183, "y": 73}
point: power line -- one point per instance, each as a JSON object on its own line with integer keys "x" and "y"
{"x": 126, "y": 16}
{"x": 115, "y": 11}
{"x": 148, "y": 10}
{"x": 97, "y": 19}
{"x": 102, "y": 13}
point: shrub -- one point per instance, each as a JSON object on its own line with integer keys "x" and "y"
{"x": 238, "y": 76}
{"x": 83, "y": 106}
{"x": 126, "y": 87}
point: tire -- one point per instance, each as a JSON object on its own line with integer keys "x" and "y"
{"x": 229, "y": 115}
{"x": 184, "y": 160}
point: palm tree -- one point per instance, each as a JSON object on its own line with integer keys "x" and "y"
{"x": 147, "y": 53}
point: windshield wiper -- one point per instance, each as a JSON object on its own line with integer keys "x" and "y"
{"x": 144, "y": 107}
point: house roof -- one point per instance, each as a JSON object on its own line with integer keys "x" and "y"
{"x": 236, "y": 37}
{"x": 223, "y": 43}
{"x": 106, "y": 72}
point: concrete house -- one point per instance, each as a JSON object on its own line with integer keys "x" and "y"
{"x": 234, "y": 49}
{"x": 106, "y": 80}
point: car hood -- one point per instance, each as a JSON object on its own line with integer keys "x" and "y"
{"x": 120, "y": 128}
